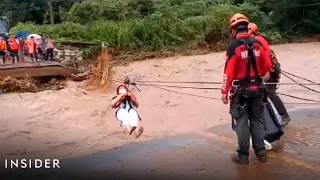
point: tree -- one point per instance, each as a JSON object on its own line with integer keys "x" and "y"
{"x": 23, "y": 10}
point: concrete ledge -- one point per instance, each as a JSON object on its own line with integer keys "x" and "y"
{"x": 35, "y": 70}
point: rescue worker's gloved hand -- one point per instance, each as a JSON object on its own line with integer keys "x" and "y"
{"x": 272, "y": 55}
{"x": 225, "y": 98}
{"x": 266, "y": 77}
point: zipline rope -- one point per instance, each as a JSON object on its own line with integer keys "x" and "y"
{"x": 207, "y": 97}
{"x": 300, "y": 83}
{"x": 298, "y": 77}
{"x": 159, "y": 87}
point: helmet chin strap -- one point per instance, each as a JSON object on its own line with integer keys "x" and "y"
{"x": 234, "y": 33}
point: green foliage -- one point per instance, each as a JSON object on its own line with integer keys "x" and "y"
{"x": 157, "y": 24}
{"x": 23, "y": 10}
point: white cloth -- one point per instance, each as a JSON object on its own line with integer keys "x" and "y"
{"x": 267, "y": 145}
{"x": 126, "y": 116}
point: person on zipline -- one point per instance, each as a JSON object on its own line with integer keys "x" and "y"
{"x": 274, "y": 76}
{"x": 247, "y": 63}
{"x": 127, "y": 103}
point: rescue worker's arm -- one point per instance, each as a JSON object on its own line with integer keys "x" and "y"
{"x": 264, "y": 43}
{"x": 266, "y": 77}
{"x": 229, "y": 69}
{"x": 117, "y": 100}
{"x": 265, "y": 62}
{"x": 273, "y": 56}
{"x": 268, "y": 50}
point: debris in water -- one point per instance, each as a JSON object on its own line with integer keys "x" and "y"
{"x": 100, "y": 75}
{"x": 10, "y": 84}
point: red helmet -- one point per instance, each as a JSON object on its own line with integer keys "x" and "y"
{"x": 253, "y": 27}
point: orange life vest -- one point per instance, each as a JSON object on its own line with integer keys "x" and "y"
{"x": 3, "y": 45}
{"x": 14, "y": 45}
{"x": 32, "y": 46}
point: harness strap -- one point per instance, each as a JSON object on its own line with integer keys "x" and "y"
{"x": 256, "y": 80}
{"x": 251, "y": 59}
{"x": 130, "y": 107}
{"x": 233, "y": 124}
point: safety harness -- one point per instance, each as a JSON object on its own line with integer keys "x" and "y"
{"x": 126, "y": 101}
{"x": 248, "y": 81}
{"x": 130, "y": 107}
{"x": 244, "y": 84}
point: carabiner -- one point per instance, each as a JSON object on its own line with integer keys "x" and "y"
{"x": 235, "y": 88}
{"x": 233, "y": 85}
{"x": 233, "y": 91}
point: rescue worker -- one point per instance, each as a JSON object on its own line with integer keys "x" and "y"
{"x": 273, "y": 78}
{"x": 14, "y": 46}
{"x": 3, "y": 49}
{"x": 127, "y": 103}
{"x": 32, "y": 46}
{"x": 247, "y": 63}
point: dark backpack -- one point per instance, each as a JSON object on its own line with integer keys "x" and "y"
{"x": 273, "y": 129}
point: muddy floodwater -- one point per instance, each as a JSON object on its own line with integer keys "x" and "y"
{"x": 73, "y": 122}
{"x": 203, "y": 155}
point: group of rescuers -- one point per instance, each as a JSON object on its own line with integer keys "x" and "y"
{"x": 13, "y": 48}
{"x": 249, "y": 63}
